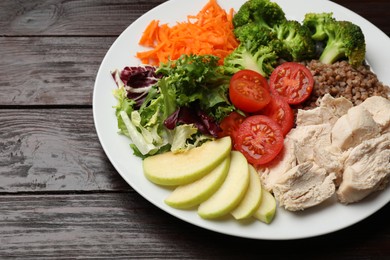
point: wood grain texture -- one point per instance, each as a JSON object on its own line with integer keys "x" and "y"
{"x": 66, "y": 17}
{"x": 50, "y": 70}
{"x": 124, "y": 225}
{"x": 53, "y": 150}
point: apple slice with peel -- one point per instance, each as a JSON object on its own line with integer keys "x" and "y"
{"x": 185, "y": 167}
{"x": 267, "y": 208}
{"x": 232, "y": 190}
{"x": 192, "y": 194}
{"x": 251, "y": 201}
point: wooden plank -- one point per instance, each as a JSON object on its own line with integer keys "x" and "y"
{"x": 50, "y": 70}
{"x": 80, "y": 17}
{"x": 124, "y": 225}
{"x": 53, "y": 150}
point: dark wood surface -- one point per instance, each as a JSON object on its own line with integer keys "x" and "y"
{"x": 60, "y": 197}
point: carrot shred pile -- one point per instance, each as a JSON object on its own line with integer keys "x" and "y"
{"x": 209, "y": 32}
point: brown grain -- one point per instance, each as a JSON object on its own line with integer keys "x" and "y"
{"x": 341, "y": 79}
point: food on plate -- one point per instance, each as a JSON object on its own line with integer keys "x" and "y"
{"x": 304, "y": 186}
{"x": 329, "y": 110}
{"x": 306, "y": 137}
{"x": 194, "y": 193}
{"x": 230, "y": 124}
{"x": 317, "y": 23}
{"x": 250, "y": 110}
{"x": 233, "y": 186}
{"x": 296, "y": 41}
{"x": 341, "y": 79}
{"x": 181, "y": 168}
{"x": 281, "y": 112}
{"x": 252, "y": 199}
{"x": 181, "y": 108}
{"x": 353, "y": 128}
{"x": 249, "y": 91}
{"x": 267, "y": 37}
{"x": 231, "y": 192}
{"x": 367, "y": 169}
{"x": 341, "y": 39}
{"x": 291, "y": 81}
{"x": 258, "y": 48}
{"x": 260, "y": 139}
{"x": 137, "y": 81}
{"x": 352, "y": 171}
{"x": 288, "y": 38}
{"x": 284, "y": 161}
{"x": 209, "y": 32}
{"x": 267, "y": 209}
{"x": 253, "y": 55}
{"x": 379, "y": 108}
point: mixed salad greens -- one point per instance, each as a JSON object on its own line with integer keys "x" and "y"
{"x": 173, "y": 107}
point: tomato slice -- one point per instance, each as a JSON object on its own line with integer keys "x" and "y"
{"x": 230, "y": 125}
{"x": 280, "y": 111}
{"x": 292, "y": 81}
{"x": 260, "y": 139}
{"x": 249, "y": 91}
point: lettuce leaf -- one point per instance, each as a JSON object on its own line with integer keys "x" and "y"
{"x": 149, "y": 97}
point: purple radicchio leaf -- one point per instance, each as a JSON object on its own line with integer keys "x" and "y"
{"x": 185, "y": 115}
{"x": 137, "y": 81}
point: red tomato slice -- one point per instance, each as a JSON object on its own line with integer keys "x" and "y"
{"x": 249, "y": 91}
{"x": 260, "y": 139}
{"x": 280, "y": 111}
{"x": 230, "y": 125}
{"x": 292, "y": 81}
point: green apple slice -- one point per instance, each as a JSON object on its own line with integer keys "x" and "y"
{"x": 231, "y": 192}
{"x": 267, "y": 208}
{"x": 192, "y": 194}
{"x": 182, "y": 168}
{"x": 251, "y": 201}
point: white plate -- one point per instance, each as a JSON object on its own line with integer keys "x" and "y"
{"x": 320, "y": 220}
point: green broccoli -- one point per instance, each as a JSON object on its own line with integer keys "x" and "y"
{"x": 250, "y": 55}
{"x": 296, "y": 40}
{"x": 345, "y": 40}
{"x": 316, "y": 23}
{"x": 252, "y": 32}
{"x": 264, "y": 13}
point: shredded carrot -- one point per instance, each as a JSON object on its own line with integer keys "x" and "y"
{"x": 208, "y": 32}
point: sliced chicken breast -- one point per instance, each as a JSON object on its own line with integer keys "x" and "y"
{"x": 329, "y": 111}
{"x": 367, "y": 169}
{"x": 379, "y": 108}
{"x": 306, "y": 137}
{"x": 339, "y": 106}
{"x": 353, "y": 128}
{"x": 272, "y": 172}
{"x": 330, "y": 158}
{"x": 304, "y": 186}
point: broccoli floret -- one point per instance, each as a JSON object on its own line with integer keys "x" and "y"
{"x": 345, "y": 40}
{"x": 316, "y": 22}
{"x": 250, "y": 55}
{"x": 252, "y": 32}
{"x": 296, "y": 41}
{"x": 264, "y": 13}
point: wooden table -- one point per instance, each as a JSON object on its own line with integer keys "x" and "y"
{"x": 59, "y": 194}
